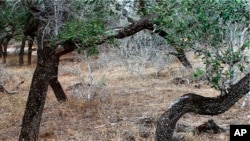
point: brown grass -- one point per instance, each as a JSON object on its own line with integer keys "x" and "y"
{"x": 115, "y": 111}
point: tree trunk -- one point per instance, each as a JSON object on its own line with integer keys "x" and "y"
{"x": 180, "y": 52}
{"x": 36, "y": 100}
{"x": 55, "y": 84}
{"x": 45, "y": 74}
{"x": 5, "y": 45}
{"x": 182, "y": 58}
{"x": 199, "y": 105}
{"x": 30, "y": 44}
{"x": 1, "y": 50}
{"x": 21, "y": 53}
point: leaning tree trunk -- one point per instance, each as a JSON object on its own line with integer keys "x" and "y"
{"x": 183, "y": 58}
{"x": 45, "y": 74}
{"x": 55, "y": 84}
{"x": 36, "y": 100}
{"x": 199, "y": 105}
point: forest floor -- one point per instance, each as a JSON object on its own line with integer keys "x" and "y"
{"x": 123, "y": 106}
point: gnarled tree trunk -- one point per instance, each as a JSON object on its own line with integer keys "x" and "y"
{"x": 37, "y": 95}
{"x": 199, "y": 105}
{"x": 45, "y": 74}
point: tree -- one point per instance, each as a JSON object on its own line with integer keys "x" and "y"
{"x": 71, "y": 33}
{"x": 49, "y": 40}
{"x": 219, "y": 32}
{"x": 29, "y": 30}
{"x": 13, "y": 15}
{"x": 62, "y": 27}
{"x": 193, "y": 103}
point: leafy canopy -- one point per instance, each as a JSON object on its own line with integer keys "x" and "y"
{"x": 209, "y": 27}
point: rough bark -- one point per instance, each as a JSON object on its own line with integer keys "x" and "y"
{"x": 45, "y": 74}
{"x": 199, "y": 105}
{"x": 55, "y": 84}
{"x": 36, "y": 100}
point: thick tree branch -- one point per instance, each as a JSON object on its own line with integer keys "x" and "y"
{"x": 145, "y": 23}
{"x": 199, "y": 105}
{"x": 127, "y": 31}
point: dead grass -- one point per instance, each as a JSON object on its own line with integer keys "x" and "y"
{"x": 115, "y": 111}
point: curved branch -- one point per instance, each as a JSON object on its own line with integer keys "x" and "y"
{"x": 145, "y": 23}
{"x": 199, "y": 105}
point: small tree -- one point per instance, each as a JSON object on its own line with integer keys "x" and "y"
{"x": 13, "y": 16}
{"x": 219, "y": 32}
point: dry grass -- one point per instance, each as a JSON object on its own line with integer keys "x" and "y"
{"x": 117, "y": 110}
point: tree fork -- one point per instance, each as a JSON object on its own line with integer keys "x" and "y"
{"x": 199, "y": 105}
{"x": 44, "y": 75}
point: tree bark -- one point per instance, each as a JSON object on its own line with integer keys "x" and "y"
{"x": 1, "y": 50}
{"x": 55, "y": 84}
{"x": 182, "y": 58}
{"x": 30, "y": 44}
{"x": 45, "y": 74}
{"x": 5, "y": 45}
{"x": 199, "y": 105}
{"x": 36, "y": 100}
{"x": 21, "y": 53}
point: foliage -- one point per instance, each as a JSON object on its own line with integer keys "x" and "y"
{"x": 85, "y": 32}
{"x": 93, "y": 51}
{"x": 217, "y": 29}
{"x": 13, "y": 16}
{"x": 86, "y": 24}
{"x": 198, "y": 73}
